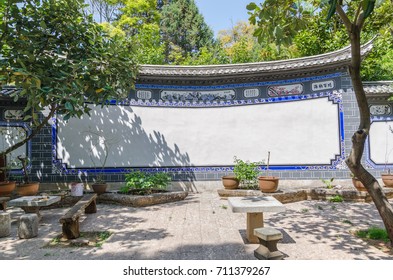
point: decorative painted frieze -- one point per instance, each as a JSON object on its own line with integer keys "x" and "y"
{"x": 323, "y": 85}
{"x": 13, "y": 115}
{"x": 284, "y": 90}
{"x": 251, "y": 92}
{"x": 144, "y": 94}
{"x": 197, "y": 96}
{"x": 383, "y": 109}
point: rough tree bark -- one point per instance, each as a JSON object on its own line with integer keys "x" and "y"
{"x": 353, "y": 161}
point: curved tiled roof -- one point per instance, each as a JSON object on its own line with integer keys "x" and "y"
{"x": 380, "y": 87}
{"x": 330, "y": 60}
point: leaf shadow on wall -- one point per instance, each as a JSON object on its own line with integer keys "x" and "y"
{"x": 114, "y": 137}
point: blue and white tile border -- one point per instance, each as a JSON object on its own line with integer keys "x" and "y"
{"x": 335, "y": 96}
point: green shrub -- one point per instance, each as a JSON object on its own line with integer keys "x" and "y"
{"x": 336, "y": 198}
{"x": 145, "y": 181}
{"x": 247, "y": 172}
{"x": 328, "y": 183}
{"x": 373, "y": 233}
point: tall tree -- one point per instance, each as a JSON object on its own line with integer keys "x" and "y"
{"x": 354, "y": 27}
{"x": 139, "y": 21}
{"x": 104, "y": 10}
{"x": 353, "y": 15}
{"x": 323, "y": 36}
{"x": 184, "y": 28}
{"x": 60, "y": 58}
{"x": 279, "y": 21}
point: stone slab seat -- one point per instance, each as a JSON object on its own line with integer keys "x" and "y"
{"x": 70, "y": 220}
{"x": 268, "y": 239}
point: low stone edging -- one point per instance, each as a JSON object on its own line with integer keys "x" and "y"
{"x": 142, "y": 200}
{"x": 350, "y": 195}
{"x": 124, "y": 199}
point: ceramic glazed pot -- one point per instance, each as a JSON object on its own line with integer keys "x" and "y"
{"x": 28, "y": 189}
{"x": 99, "y": 188}
{"x": 6, "y": 188}
{"x": 268, "y": 184}
{"x": 387, "y": 179}
{"x": 230, "y": 182}
{"x": 358, "y": 185}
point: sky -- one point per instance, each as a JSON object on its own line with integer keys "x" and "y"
{"x": 223, "y": 14}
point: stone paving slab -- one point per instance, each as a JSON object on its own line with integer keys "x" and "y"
{"x": 203, "y": 227}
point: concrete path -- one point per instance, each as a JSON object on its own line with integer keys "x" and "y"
{"x": 203, "y": 227}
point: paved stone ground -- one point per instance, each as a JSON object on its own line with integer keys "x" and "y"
{"x": 203, "y": 227}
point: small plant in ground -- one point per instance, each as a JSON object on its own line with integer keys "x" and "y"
{"x": 336, "y": 198}
{"x": 320, "y": 207}
{"x": 333, "y": 207}
{"x": 304, "y": 210}
{"x": 348, "y": 222}
{"x": 138, "y": 180}
{"x": 247, "y": 173}
{"x": 373, "y": 233}
{"x": 328, "y": 183}
{"x": 224, "y": 207}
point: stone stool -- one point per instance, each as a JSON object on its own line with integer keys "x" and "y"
{"x": 28, "y": 226}
{"x": 268, "y": 238}
{"x": 5, "y": 224}
{"x": 3, "y": 203}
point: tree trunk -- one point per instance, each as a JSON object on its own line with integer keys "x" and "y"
{"x": 353, "y": 161}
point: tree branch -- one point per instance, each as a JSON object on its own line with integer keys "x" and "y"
{"x": 345, "y": 19}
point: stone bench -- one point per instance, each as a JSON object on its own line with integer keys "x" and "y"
{"x": 268, "y": 239}
{"x": 70, "y": 220}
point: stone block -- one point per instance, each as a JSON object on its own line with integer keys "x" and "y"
{"x": 5, "y": 224}
{"x": 268, "y": 239}
{"x": 28, "y": 226}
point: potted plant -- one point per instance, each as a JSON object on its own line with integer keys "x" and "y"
{"x": 246, "y": 173}
{"x": 387, "y": 178}
{"x": 26, "y": 188}
{"x": 268, "y": 184}
{"x": 358, "y": 184}
{"x": 6, "y": 186}
{"x": 100, "y": 185}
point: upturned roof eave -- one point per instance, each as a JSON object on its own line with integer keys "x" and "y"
{"x": 340, "y": 58}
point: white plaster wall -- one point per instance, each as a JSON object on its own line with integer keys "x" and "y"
{"x": 381, "y": 142}
{"x": 296, "y": 133}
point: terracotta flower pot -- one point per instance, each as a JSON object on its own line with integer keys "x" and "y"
{"x": 6, "y": 188}
{"x": 268, "y": 184}
{"x": 387, "y": 179}
{"x": 99, "y": 188}
{"x": 358, "y": 185}
{"x": 28, "y": 189}
{"x": 230, "y": 182}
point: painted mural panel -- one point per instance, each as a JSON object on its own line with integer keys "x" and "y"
{"x": 284, "y": 90}
{"x": 140, "y": 136}
{"x": 196, "y": 96}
